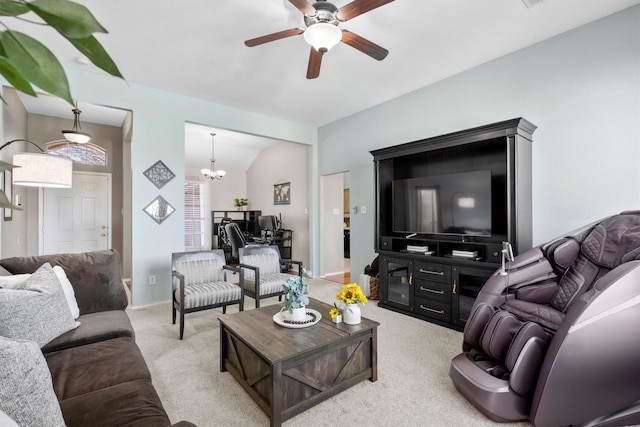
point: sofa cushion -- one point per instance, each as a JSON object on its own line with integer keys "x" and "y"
{"x": 37, "y": 310}
{"x": 96, "y": 277}
{"x": 133, "y": 404}
{"x": 93, "y": 327}
{"x": 95, "y": 366}
{"x": 26, "y": 392}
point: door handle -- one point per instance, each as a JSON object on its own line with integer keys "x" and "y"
{"x": 103, "y": 235}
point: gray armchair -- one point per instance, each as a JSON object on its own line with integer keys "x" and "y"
{"x": 200, "y": 281}
{"x": 263, "y": 274}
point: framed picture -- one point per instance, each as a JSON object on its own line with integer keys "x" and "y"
{"x": 282, "y": 194}
{"x": 8, "y": 190}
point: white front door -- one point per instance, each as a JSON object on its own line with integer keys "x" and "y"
{"x": 77, "y": 219}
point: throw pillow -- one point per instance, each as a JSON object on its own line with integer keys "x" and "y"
{"x": 14, "y": 281}
{"x": 26, "y": 389}
{"x": 69, "y": 293}
{"x": 37, "y": 310}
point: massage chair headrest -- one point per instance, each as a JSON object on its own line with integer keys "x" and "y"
{"x": 614, "y": 241}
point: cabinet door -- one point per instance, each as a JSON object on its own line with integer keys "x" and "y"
{"x": 396, "y": 283}
{"x": 467, "y": 282}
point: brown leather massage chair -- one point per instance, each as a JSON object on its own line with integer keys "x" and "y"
{"x": 556, "y": 340}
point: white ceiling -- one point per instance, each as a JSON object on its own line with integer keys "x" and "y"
{"x": 195, "y": 47}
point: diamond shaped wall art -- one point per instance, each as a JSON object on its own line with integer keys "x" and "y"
{"x": 159, "y": 174}
{"x": 159, "y": 209}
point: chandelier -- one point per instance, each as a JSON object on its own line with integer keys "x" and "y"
{"x": 212, "y": 173}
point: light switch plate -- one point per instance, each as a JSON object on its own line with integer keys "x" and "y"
{"x": 363, "y": 209}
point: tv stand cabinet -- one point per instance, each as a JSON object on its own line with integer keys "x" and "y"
{"x": 436, "y": 285}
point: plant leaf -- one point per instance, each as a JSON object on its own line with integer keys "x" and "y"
{"x": 93, "y": 50}
{"x": 14, "y": 77}
{"x": 70, "y": 19}
{"x": 12, "y": 8}
{"x": 36, "y": 63}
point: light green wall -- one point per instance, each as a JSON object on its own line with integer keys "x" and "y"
{"x": 582, "y": 90}
{"x": 158, "y": 134}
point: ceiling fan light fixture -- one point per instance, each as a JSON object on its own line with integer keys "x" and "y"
{"x": 322, "y": 36}
{"x": 76, "y": 135}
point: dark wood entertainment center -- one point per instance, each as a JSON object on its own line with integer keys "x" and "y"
{"x": 440, "y": 287}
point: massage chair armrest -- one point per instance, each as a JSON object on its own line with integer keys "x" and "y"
{"x": 528, "y": 269}
{"x": 539, "y": 293}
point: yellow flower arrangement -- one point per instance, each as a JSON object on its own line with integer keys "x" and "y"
{"x": 351, "y": 294}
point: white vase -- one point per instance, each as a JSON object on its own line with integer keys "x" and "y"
{"x": 351, "y": 315}
{"x": 298, "y": 314}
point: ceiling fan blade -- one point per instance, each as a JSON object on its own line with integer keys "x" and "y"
{"x": 275, "y": 36}
{"x": 358, "y": 7}
{"x": 315, "y": 59}
{"x": 363, "y": 45}
{"x": 304, "y": 6}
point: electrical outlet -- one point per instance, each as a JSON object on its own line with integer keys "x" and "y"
{"x": 152, "y": 279}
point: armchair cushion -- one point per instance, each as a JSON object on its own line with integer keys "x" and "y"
{"x": 204, "y": 294}
{"x": 269, "y": 284}
{"x": 268, "y": 263}
{"x": 199, "y": 271}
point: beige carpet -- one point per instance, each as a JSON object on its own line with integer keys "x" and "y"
{"x": 413, "y": 387}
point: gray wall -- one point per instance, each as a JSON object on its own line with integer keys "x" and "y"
{"x": 284, "y": 162}
{"x": 582, "y": 90}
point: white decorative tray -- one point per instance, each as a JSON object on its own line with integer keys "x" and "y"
{"x": 312, "y": 317}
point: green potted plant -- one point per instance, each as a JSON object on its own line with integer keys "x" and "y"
{"x": 294, "y": 291}
{"x": 241, "y": 202}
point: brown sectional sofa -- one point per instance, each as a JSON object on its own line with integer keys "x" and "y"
{"x": 99, "y": 375}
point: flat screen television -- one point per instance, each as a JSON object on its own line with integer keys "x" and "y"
{"x": 455, "y": 204}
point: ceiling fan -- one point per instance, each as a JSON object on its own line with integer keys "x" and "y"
{"x": 322, "y": 33}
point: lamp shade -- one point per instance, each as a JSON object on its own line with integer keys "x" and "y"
{"x": 42, "y": 170}
{"x": 323, "y": 36}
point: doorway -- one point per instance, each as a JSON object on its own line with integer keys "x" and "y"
{"x": 334, "y": 227}
{"x": 77, "y": 219}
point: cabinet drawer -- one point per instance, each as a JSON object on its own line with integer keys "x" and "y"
{"x": 432, "y": 271}
{"x": 430, "y": 290}
{"x": 433, "y": 309}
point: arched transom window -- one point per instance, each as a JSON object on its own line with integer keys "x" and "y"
{"x": 89, "y": 154}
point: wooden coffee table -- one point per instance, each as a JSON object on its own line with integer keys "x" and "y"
{"x": 286, "y": 370}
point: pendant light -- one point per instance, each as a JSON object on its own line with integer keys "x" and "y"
{"x": 76, "y": 135}
{"x": 212, "y": 173}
